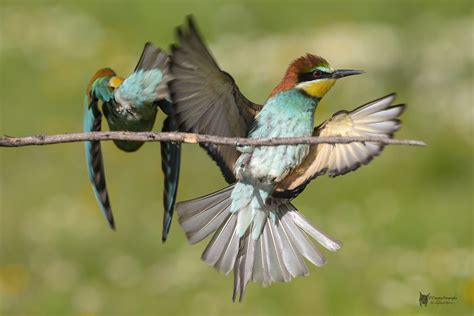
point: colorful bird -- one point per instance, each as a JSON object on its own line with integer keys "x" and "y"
{"x": 131, "y": 105}
{"x": 258, "y": 233}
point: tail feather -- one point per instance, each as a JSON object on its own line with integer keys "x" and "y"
{"x": 274, "y": 256}
{"x": 260, "y": 273}
{"x": 200, "y": 230}
{"x": 192, "y": 207}
{"x": 223, "y": 240}
{"x": 203, "y": 216}
{"x": 278, "y": 271}
{"x": 318, "y": 235}
{"x": 228, "y": 256}
{"x": 300, "y": 241}
{"x": 292, "y": 257}
{"x": 277, "y": 254}
{"x": 243, "y": 265}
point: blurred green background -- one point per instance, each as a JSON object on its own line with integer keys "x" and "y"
{"x": 406, "y": 220}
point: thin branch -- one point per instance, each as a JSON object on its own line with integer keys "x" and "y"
{"x": 8, "y": 141}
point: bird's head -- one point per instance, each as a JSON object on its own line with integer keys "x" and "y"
{"x": 313, "y": 75}
{"x": 103, "y": 83}
{"x": 115, "y": 82}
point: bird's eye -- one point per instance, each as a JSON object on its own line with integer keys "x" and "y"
{"x": 317, "y": 74}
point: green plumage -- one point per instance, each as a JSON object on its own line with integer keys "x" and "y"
{"x": 132, "y": 105}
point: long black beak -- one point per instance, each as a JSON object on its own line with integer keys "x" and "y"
{"x": 345, "y": 72}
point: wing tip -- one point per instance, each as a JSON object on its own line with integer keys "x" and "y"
{"x": 174, "y": 48}
{"x": 191, "y": 25}
{"x": 192, "y": 30}
{"x": 335, "y": 245}
{"x": 179, "y": 33}
{"x": 392, "y": 96}
{"x": 111, "y": 221}
{"x": 166, "y": 227}
{"x": 149, "y": 44}
{"x": 402, "y": 106}
{"x": 191, "y": 21}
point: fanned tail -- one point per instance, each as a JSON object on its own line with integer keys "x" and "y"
{"x": 277, "y": 256}
{"x": 274, "y": 256}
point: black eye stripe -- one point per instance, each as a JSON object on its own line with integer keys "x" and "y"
{"x": 313, "y": 75}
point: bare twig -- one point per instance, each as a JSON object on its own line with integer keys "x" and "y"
{"x": 8, "y": 141}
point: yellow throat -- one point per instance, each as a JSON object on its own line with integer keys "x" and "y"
{"x": 317, "y": 88}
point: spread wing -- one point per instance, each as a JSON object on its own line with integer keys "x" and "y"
{"x": 95, "y": 165}
{"x": 377, "y": 118}
{"x": 206, "y": 99}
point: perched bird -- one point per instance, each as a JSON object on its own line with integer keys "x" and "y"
{"x": 258, "y": 233}
{"x": 131, "y": 105}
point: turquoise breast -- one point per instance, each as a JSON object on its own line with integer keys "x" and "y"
{"x": 287, "y": 114}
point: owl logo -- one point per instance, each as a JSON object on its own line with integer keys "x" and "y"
{"x": 424, "y": 299}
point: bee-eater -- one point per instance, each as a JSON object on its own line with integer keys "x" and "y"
{"x": 258, "y": 233}
{"x": 131, "y": 104}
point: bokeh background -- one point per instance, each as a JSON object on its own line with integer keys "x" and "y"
{"x": 406, "y": 220}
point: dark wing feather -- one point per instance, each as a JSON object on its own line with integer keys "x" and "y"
{"x": 170, "y": 163}
{"x": 206, "y": 99}
{"x": 376, "y": 118}
{"x": 95, "y": 165}
{"x": 151, "y": 58}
